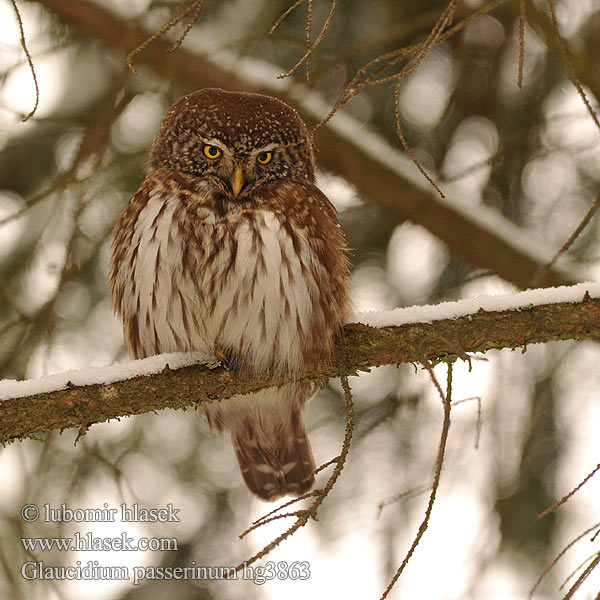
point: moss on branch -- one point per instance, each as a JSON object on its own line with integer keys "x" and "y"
{"x": 361, "y": 348}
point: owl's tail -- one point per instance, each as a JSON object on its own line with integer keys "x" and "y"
{"x": 275, "y": 467}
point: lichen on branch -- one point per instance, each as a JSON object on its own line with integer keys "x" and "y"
{"x": 361, "y": 348}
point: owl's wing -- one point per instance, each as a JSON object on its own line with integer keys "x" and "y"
{"x": 122, "y": 265}
{"x": 154, "y": 239}
{"x": 311, "y": 220}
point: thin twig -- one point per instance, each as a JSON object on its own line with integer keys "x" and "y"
{"x": 567, "y": 496}
{"x": 558, "y": 557}
{"x": 302, "y": 516}
{"x": 569, "y": 65}
{"x": 578, "y": 568}
{"x": 522, "y": 23}
{"x": 442, "y": 23}
{"x": 416, "y": 55}
{"x": 285, "y": 505}
{"x": 325, "y": 465}
{"x": 264, "y": 520}
{"x": 405, "y": 145}
{"x": 392, "y": 58}
{"x": 29, "y": 60}
{"x": 583, "y": 576}
{"x": 284, "y": 15}
{"x": 447, "y": 403}
{"x": 307, "y": 34}
{"x": 314, "y": 45}
{"x": 194, "y": 8}
{"x": 402, "y": 496}
{"x": 543, "y": 269}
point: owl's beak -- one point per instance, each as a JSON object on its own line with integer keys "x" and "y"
{"x": 237, "y": 181}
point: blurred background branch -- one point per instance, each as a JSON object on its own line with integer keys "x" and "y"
{"x": 383, "y": 176}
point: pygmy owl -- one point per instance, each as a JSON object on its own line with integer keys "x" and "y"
{"x": 229, "y": 249}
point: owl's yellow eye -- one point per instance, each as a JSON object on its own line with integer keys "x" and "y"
{"x": 264, "y": 157}
{"x": 212, "y": 152}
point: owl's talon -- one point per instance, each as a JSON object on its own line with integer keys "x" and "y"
{"x": 219, "y": 360}
{"x": 222, "y": 357}
{"x": 213, "y": 363}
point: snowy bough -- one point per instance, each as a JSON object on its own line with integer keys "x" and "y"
{"x": 423, "y": 335}
{"x": 415, "y": 334}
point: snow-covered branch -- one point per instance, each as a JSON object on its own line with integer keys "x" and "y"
{"x": 416, "y": 334}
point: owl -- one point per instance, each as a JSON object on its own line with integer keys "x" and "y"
{"x": 229, "y": 249}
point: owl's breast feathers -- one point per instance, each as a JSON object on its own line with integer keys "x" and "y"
{"x": 263, "y": 280}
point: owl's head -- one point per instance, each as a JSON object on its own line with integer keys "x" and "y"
{"x": 240, "y": 139}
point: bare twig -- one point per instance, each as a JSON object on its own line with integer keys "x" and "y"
{"x": 416, "y": 55}
{"x": 263, "y": 518}
{"x": 29, "y": 60}
{"x": 405, "y": 145}
{"x": 569, "y": 65}
{"x": 522, "y": 23}
{"x": 194, "y": 9}
{"x": 307, "y": 34}
{"x": 543, "y": 270}
{"x": 447, "y": 403}
{"x": 383, "y": 62}
{"x": 401, "y": 496}
{"x": 584, "y": 575}
{"x": 284, "y": 15}
{"x": 559, "y": 556}
{"x": 325, "y": 465}
{"x": 311, "y": 47}
{"x": 567, "y": 496}
{"x": 302, "y": 516}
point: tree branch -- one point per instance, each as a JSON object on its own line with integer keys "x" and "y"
{"x": 479, "y": 235}
{"x": 362, "y": 347}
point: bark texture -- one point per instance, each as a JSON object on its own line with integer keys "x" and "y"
{"x": 361, "y": 348}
